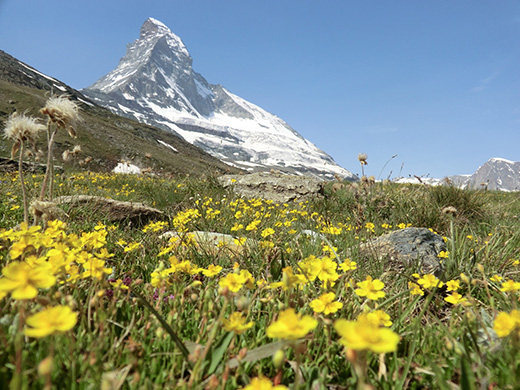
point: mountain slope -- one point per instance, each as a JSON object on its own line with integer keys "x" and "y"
{"x": 105, "y": 138}
{"x": 496, "y": 174}
{"x": 155, "y": 83}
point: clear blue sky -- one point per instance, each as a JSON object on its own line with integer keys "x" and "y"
{"x": 436, "y": 82}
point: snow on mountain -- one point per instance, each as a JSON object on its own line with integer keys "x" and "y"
{"x": 156, "y": 84}
{"x": 419, "y": 180}
{"x": 496, "y": 174}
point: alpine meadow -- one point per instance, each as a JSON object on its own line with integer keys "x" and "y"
{"x": 218, "y": 291}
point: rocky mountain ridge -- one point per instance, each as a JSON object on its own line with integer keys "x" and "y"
{"x": 155, "y": 83}
{"x": 105, "y": 138}
{"x": 496, "y": 174}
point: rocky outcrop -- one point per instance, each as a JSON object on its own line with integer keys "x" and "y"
{"x": 416, "y": 248}
{"x": 278, "y": 187}
{"x": 110, "y": 209}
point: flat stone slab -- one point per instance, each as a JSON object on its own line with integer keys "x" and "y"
{"x": 113, "y": 210}
{"x": 278, "y": 187}
{"x": 8, "y": 165}
{"x": 411, "y": 247}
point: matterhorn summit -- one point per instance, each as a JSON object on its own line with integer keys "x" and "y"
{"x": 156, "y": 84}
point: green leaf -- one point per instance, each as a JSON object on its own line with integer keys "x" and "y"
{"x": 467, "y": 379}
{"x": 216, "y": 353}
{"x": 166, "y": 326}
{"x": 258, "y": 353}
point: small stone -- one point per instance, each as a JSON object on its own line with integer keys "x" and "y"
{"x": 410, "y": 247}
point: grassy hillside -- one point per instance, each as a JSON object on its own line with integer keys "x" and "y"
{"x": 132, "y": 310}
{"x": 105, "y": 138}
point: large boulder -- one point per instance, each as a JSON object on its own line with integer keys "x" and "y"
{"x": 416, "y": 248}
{"x": 110, "y": 209}
{"x": 278, "y": 187}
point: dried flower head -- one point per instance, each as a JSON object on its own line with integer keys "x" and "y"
{"x": 362, "y": 158}
{"x": 22, "y": 129}
{"x": 65, "y": 156}
{"x": 449, "y": 210}
{"x": 62, "y": 112}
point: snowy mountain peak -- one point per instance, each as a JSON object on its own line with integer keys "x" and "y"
{"x": 500, "y": 160}
{"x": 153, "y": 27}
{"x": 156, "y": 84}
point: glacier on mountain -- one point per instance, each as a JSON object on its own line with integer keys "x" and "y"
{"x": 155, "y": 83}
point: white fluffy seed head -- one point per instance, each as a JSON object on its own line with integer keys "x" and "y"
{"x": 362, "y": 158}
{"x": 22, "y": 128}
{"x": 63, "y": 112}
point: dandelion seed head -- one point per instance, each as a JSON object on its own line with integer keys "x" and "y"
{"x": 22, "y": 128}
{"x": 62, "y": 112}
{"x": 362, "y": 158}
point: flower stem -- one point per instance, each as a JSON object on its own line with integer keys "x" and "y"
{"x": 49, "y": 172}
{"x": 24, "y": 189}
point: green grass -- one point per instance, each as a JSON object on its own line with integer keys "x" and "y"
{"x": 118, "y": 341}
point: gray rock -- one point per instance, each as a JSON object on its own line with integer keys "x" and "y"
{"x": 8, "y": 165}
{"x": 410, "y": 247}
{"x": 278, "y": 187}
{"x": 110, "y": 209}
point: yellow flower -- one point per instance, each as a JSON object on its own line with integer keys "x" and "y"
{"x": 496, "y": 278}
{"x": 161, "y": 277}
{"x": 236, "y": 323}
{"x": 443, "y": 254}
{"x": 289, "y": 280}
{"x": 453, "y": 285}
{"x": 363, "y": 334}
{"x": 455, "y": 298}
{"x": 331, "y": 230}
{"x": 234, "y": 282}
{"x": 348, "y": 265}
{"x": 415, "y": 289}
{"x": 325, "y": 304}
{"x": 378, "y": 318}
{"x": 310, "y": 267}
{"x": 24, "y": 280}
{"x": 327, "y": 270}
{"x": 370, "y": 289}
{"x": 95, "y": 268}
{"x": 429, "y": 280}
{"x": 119, "y": 284}
{"x": 132, "y": 247}
{"x": 51, "y": 320}
{"x": 253, "y": 225}
{"x": 262, "y": 383}
{"x": 155, "y": 226}
{"x": 240, "y": 241}
{"x": 291, "y": 326}
{"x": 510, "y": 285}
{"x": 212, "y": 270}
{"x": 267, "y": 232}
{"x": 505, "y": 323}
{"x": 236, "y": 227}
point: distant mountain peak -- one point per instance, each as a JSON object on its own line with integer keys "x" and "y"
{"x": 153, "y": 27}
{"x": 498, "y": 159}
{"x": 155, "y": 83}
